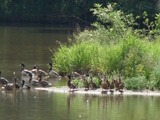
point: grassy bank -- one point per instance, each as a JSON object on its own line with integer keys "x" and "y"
{"x": 114, "y": 48}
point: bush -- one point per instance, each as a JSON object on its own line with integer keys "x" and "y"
{"x": 115, "y": 47}
{"x": 135, "y": 83}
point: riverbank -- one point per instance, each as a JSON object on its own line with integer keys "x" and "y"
{"x": 65, "y": 89}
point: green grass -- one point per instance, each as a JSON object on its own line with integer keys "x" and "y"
{"x": 115, "y": 48}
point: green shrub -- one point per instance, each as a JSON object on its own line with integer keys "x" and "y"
{"x": 135, "y": 83}
{"x": 115, "y": 47}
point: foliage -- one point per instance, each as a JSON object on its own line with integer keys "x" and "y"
{"x": 135, "y": 83}
{"x": 114, "y": 47}
{"x": 54, "y": 11}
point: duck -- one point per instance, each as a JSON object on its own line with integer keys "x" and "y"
{"x": 104, "y": 84}
{"x": 13, "y": 85}
{"x": 107, "y": 81}
{"x": 8, "y": 86}
{"x": 86, "y": 83}
{"x": 33, "y": 82}
{"x": 93, "y": 84}
{"x": 44, "y": 83}
{"x": 121, "y": 84}
{"x": 112, "y": 85}
{"x": 25, "y": 86}
{"x": 76, "y": 75}
{"x": 24, "y": 72}
{"x": 116, "y": 84}
{"x": 99, "y": 79}
{"x": 71, "y": 85}
{"x": 3, "y": 80}
{"x": 15, "y": 81}
{"x": 53, "y": 73}
{"x": 36, "y": 70}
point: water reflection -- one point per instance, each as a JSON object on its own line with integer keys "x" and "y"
{"x": 48, "y": 105}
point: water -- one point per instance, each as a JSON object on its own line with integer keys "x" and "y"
{"x": 30, "y": 45}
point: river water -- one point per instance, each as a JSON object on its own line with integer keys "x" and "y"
{"x": 30, "y": 44}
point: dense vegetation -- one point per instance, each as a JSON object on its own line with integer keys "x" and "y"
{"x": 114, "y": 46}
{"x": 67, "y": 11}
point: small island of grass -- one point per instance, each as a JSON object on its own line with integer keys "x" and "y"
{"x": 115, "y": 45}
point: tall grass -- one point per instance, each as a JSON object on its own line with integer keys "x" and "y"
{"x": 108, "y": 49}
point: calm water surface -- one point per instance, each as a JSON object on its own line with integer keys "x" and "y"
{"x": 30, "y": 45}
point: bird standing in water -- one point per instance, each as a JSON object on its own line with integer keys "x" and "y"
{"x": 71, "y": 85}
{"x": 3, "y": 80}
{"x": 25, "y": 86}
{"x": 25, "y": 72}
{"x": 53, "y": 73}
{"x": 44, "y": 83}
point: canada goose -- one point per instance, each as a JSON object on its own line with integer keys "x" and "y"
{"x": 3, "y": 80}
{"x": 53, "y": 73}
{"x": 25, "y": 86}
{"x": 71, "y": 85}
{"x": 25, "y": 72}
{"x": 33, "y": 82}
{"x": 44, "y": 83}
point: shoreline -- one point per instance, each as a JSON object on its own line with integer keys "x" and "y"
{"x": 65, "y": 89}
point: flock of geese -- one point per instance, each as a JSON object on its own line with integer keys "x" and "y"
{"x": 35, "y": 78}
{"x": 36, "y": 74}
{"x": 103, "y": 82}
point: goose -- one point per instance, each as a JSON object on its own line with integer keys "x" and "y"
{"x": 33, "y": 82}
{"x": 53, "y": 73}
{"x": 44, "y": 83}
{"x": 71, "y": 85}
{"x": 25, "y": 72}
{"x": 3, "y": 80}
{"x": 25, "y": 86}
